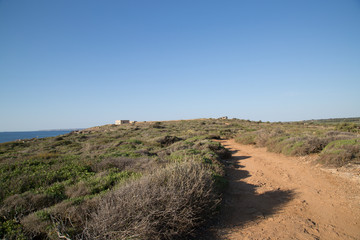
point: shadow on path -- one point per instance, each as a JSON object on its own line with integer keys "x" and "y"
{"x": 241, "y": 203}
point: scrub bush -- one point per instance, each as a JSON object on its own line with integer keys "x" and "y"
{"x": 341, "y": 152}
{"x": 166, "y": 204}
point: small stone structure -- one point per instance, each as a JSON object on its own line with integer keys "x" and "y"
{"x": 224, "y": 118}
{"x": 120, "y": 122}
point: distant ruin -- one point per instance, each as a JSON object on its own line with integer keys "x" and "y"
{"x": 121, "y": 122}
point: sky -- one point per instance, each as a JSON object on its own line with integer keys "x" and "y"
{"x": 73, "y": 64}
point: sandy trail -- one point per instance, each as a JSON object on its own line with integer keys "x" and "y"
{"x": 272, "y": 196}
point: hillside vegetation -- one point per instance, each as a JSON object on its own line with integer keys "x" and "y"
{"x": 146, "y": 181}
{"x": 337, "y": 141}
{"x": 156, "y": 180}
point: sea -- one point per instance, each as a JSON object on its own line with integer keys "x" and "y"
{"x": 12, "y": 136}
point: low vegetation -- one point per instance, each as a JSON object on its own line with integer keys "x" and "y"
{"x": 336, "y": 141}
{"x": 154, "y": 180}
{"x": 341, "y": 152}
{"x": 145, "y": 181}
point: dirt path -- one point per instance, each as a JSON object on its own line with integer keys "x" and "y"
{"x": 271, "y": 196}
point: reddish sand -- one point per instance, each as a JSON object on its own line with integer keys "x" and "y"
{"x": 272, "y": 196}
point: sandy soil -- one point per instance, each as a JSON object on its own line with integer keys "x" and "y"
{"x": 271, "y": 196}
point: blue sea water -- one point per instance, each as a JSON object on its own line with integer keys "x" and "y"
{"x": 12, "y": 136}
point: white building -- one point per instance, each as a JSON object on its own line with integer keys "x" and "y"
{"x": 120, "y": 122}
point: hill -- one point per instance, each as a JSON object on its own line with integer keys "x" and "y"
{"x": 154, "y": 180}
{"x": 336, "y": 120}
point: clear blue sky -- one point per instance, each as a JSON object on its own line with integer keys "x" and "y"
{"x": 82, "y": 63}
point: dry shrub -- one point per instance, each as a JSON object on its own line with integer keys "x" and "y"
{"x": 77, "y": 190}
{"x": 34, "y": 226}
{"x": 246, "y": 138}
{"x": 343, "y": 135}
{"x": 219, "y": 150}
{"x": 349, "y": 154}
{"x": 264, "y": 136}
{"x": 278, "y": 141}
{"x": 167, "y": 140}
{"x": 144, "y": 152}
{"x": 123, "y": 163}
{"x": 213, "y": 136}
{"x": 261, "y": 137}
{"x": 178, "y": 146}
{"x": 112, "y": 162}
{"x": 301, "y": 146}
{"x": 279, "y": 144}
{"x": 63, "y": 219}
{"x": 349, "y": 127}
{"x": 19, "y": 205}
{"x": 70, "y": 218}
{"x": 167, "y": 204}
{"x": 313, "y": 144}
{"x": 297, "y": 146}
{"x": 341, "y": 152}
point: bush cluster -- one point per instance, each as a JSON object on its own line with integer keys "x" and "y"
{"x": 54, "y": 187}
{"x": 348, "y": 127}
{"x": 335, "y": 147}
{"x": 341, "y": 152}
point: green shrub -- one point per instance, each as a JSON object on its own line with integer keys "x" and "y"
{"x": 341, "y": 152}
{"x": 348, "y": 127}
{"x": 296, "y": 146}
{"x": 292, "y": 141}
{"x": 62, "y": 143}
{"x": 136, "y": 141}
{"x": 8, "y": 146}
{"x": 106, "y": 180}
{"x": 35, "y": 173}
{"x": 246, "y": 138}
{"x": 11, "y": 229}
{"x": 56, "y": 192}
{"x": 157, "y": 125}
{"x": 167, "y": 140}
{"x": 219, "y": 150}
{"x": 19, "y": 205}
